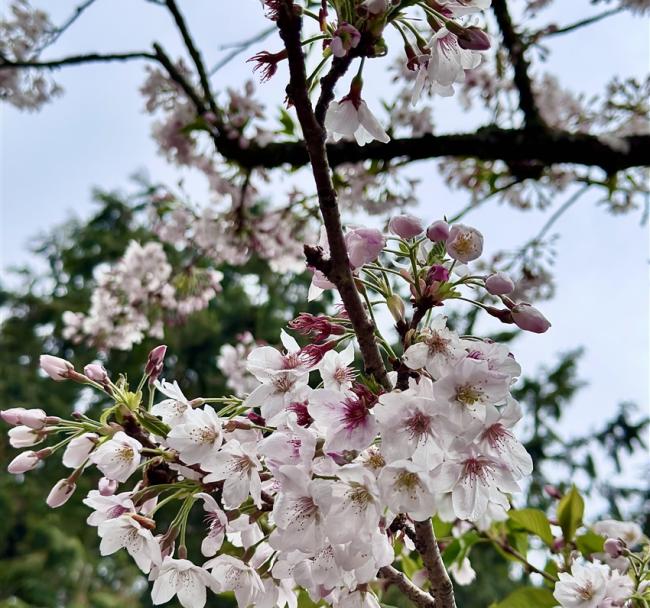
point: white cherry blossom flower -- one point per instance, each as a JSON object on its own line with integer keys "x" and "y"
{"x": 405, "y": 487}
{"x": 239, "y": 467}
{"x": 124, "y": 532}
{"x": 409, "y": 420}
{"x": 197, "y": 438}
{"x": 335, "y": 368}
{"x": 437, "y": 351}
{"x": 345, "y": 417}
{"x": 217, "y": 521}
{"x": 352, "y": 118}
{"x": 182, "y": 578}
{"x": 583, "y": 588}
{"x": 173, "y": 410}
{"x": 119, "y": 457}
{"x": 78, "y": 450}
{"x": 298, "y": 511}
{"x": 107, "y": 507}
{"x": 468, "y": 388}
{"x": 473, "y": 478}
{"x": 233, "y": 574}
{"x": 353, "y": 507}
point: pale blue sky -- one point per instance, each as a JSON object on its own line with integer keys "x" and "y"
{"x": 97, "y": 135}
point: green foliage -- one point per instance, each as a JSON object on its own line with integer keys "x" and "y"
{"x": 534, "y": 521}
{"x": 570, "y": 511}
{"x": 528, "y": 597}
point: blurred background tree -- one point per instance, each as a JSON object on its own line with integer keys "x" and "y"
{"x": 50, "y": 558}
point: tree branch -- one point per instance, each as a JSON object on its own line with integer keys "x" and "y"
{"x": 6, "y": 64}
{"x": 194, "y": 54}
{"x": 290, "y": 23}
{"x": 414, "y": 593}
{"x": 548, "y": 147}
{"x": 554, "y": 30}
{"x": 443, "y": 590}
{"x": 340, "y": 65}
{"x": 516, "y": 48}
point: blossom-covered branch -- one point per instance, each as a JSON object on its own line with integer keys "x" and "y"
{"x": 338, "y": 271}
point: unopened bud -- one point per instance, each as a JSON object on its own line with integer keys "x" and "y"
{"x": 56, "y": 368}
{"x": 145, "y": 522}
{"x": 155, "y": 362}
{"x": 12, "y": 415}
{"x": 503, "y": 314}
{"x": 552, "y": 491}
{"x": 614, "y": 547}
{"x": 499, "y": 284}
{"x": 473, "y": 38}
{"x": 405, "y": 226}
{"x": 34, "y": 418}
{"x": 107, "y": 487}
{"x": 25, "y": 461}
{"x": 60, "y": 493}
{"x": 438, "y": 231}
{"x": 255, "y": 418}
{"x": 527, "y": 317}
{"x": 438, "y": 273}
{"x": 96, "y": 373}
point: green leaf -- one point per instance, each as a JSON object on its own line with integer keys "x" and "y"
{"x": 570, "y": 510}
{"x": 589, "y": 543}
{"x": 153, "y": 424}
{"x": 287, "y": 123}
{"x": 441, "y": 528}
{"x": 535, "y": 521}
{"x": 528, "y": 597}
{"x": 410, "y": 566}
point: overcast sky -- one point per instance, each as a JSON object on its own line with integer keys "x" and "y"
{"x": 97, "y": 135}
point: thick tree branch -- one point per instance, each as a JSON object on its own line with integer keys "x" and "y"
{"x": 516, "y": 48}
{"x": 411, "y": 591}
{"x": 290, "y": 23}
{"x": 548, "y": 147}
{"x": 441, "y": 586}
{"x": 339, "y": 67}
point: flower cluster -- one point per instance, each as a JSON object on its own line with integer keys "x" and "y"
{"x": 135, "y": 296}
{"x": 308, "y": 471}
{"x": 22, "y": 36}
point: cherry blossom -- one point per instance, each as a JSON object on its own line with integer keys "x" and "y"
{"x": 119, "y": 457}
{"x": 182, "y": 578}
{"x": 126, "y": 532}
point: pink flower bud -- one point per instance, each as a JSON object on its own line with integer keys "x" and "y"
{"x": 364, "y": 245}
{"x": 552, "y": 491}
{"x": 438, "y": 273}
{"x": 34, "y": 419}
{"x": 12, "y": 415}
{"x": 527, "y": 317}
{"x": 438, "y": 231}
{"x": 464, "y": 243}
{"x": 345, "y": 37}
{"x": 155, "y": 362}
{"x": 499, "y": 284}
{"x": 107, "y": 487}
{"x": 56, "y": 368}
{"x": 25, "y": 461}
{"x": 96, "y": 373}
{"x": 60, "y": 493}
{"x": 255, "y": 418}
{"x": 614, "y": 547}
{"x": 24, "y": 436}
{"x": 474, "y": 39}
{"x": 405, "y": 226}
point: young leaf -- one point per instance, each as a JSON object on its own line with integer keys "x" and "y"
{"x": 528, "y": 597}
{"x": 535, "y": 521}
{"x": 570, "y": 510}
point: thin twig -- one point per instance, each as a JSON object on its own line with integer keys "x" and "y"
{"x": 555, "y": 31}
{"x": 56, "y": 33}
{"x": 178, "y": 78}
{"x": 516, "y": 49}
{"x": 240, "y": 47}
{"x": 74, "y": 60}
{"x": 194, "y": 54}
